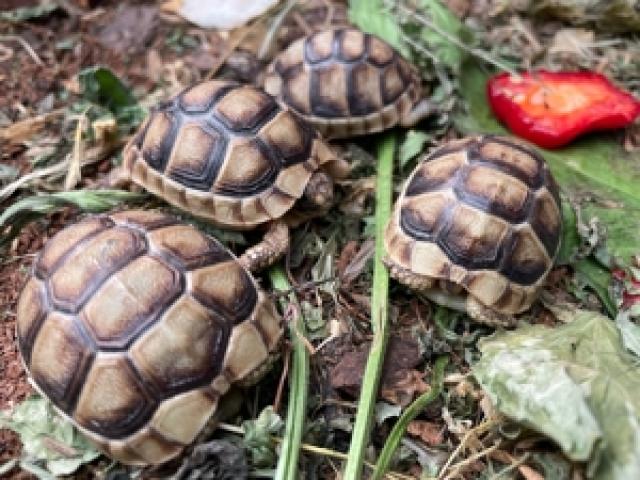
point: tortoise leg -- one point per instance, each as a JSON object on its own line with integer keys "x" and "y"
{"x": 483, "y": 314}
{"x": 273, "y": 245}
{"x": 409, "y": 278}
{"x": 449, "y": 297}
{"x": 420, "y": 111}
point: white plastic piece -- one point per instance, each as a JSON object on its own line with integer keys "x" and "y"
{"x": 219, "y": 14}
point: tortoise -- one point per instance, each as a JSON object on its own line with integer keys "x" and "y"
{"x": 135, "y": 325}
{"x": 230, "y": 154}
{"x": 477, "y": 227}
{"x": 346, "y": 83}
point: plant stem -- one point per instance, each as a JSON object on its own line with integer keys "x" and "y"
{"x": 393, "y": 440}
{"x": 287, "y": 468}
{"x": 379, "y": 314}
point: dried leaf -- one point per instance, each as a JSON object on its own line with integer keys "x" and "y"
{"x": 430, "y": 433}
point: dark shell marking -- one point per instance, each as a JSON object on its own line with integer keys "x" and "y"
{"x": 488, "y": 204}
{"x": 219, "y": 148}
{"x": 110, "y": 328}
{"x": 345, "y": 82}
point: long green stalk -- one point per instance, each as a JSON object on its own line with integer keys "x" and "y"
{"x": 419, "y": 404}
{"x": 287, "y": 468}
{"x": 379, "y": 314}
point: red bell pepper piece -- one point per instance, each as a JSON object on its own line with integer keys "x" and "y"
{"x": 552, "y": 108}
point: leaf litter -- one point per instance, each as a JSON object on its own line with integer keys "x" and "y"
{"x": 112, "y": 83}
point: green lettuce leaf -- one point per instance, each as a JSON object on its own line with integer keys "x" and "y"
{"x": 576, "y": 384}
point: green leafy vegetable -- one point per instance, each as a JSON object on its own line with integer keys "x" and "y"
{"x": 257, "y": 437}
{"x": 570, "y": 243}
{"x": 440, "y": 35}
{"x": 594, "y": 171}
{"x": 412, "y": 145}
{"x": 49, "y": 438}
{"x": 28, "y": 13}
{"x": 373, "y": 17}
{"x": 576, "y": 384}
{"x": 32, "y": 208}
{"x": 589, "y": 273}
{"x": 101, "y": 86}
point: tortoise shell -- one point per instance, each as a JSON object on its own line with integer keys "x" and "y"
{"x": 227, "y": 153}
{"x": 483, "y": 213}
{"x": 344, "y": 82}
{"x": 134, "y": 325}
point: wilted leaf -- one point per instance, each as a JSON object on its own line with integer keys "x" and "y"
{"x": 574, "y": 383}
{"x": 32, "y": 208}
{"x": 412, "y": 145}
{"x": 257, "y": 437}
{"x": 373, "y": 16}
{"x": 28, "y": 13}
{"x": 594, "y": 171}
{"x": 47, "y": 437}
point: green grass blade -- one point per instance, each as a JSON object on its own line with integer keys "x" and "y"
{"x": 379, "y": 314}
{"x": 287, "y": 468}
{"x": 420, "y": 403}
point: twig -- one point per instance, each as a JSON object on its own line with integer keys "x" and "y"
{"x": 379, "y": 315}
{"x": 474, "y": 431}
{"x": 25, "y": 45}
{"x": 469, "y": 460}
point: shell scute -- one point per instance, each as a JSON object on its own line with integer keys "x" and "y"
{"x": 489, "y": 207}
{"x": 141, "y": 317}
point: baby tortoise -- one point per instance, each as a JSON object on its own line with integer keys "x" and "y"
{"x": 477, "y": 227}
{"x": 346, "y": 82}
{"x": 135, "y": 325}
{"x": 230, "y": 154}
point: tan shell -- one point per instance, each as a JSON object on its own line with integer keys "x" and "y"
{"x": 227, "y": 153}
{"x": 134, "y": 325}
{"x": 483, "y": 213}
{"x": 344, "y": 82}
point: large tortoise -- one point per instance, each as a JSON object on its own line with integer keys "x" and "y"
{"x": 230, "y": 154}
{"x": 134, "y": 325}
{"x": 346, "y": 82}
{"x": 477, "y": 227}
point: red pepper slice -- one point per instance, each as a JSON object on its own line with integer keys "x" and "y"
{"x": 552, "y": 108}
